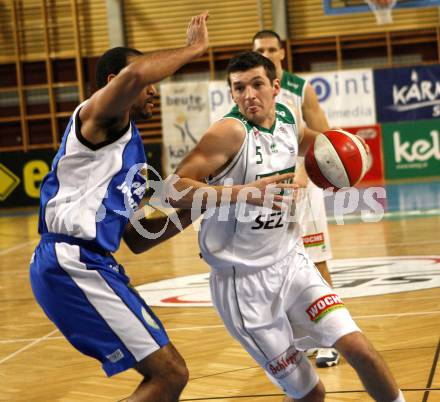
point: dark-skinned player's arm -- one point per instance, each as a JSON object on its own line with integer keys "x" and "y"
{"x": 110, "y": 105}
{"x": 213, "y": 153}
{"x": 139, "y": 241}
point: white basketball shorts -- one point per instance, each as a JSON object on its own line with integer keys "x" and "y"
{"x": 278, "y": 312}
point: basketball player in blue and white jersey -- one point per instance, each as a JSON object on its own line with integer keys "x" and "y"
{"x": 297, "y": 91}
{"x": 96, "y": 183}
{"x": 264, "y": 286}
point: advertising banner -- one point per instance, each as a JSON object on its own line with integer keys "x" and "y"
{"x": 220, "y": 101}
{"x": 411, "y": 149}
{"x": 21, "y": 174}
{"x": 185, "y": 117}
{"x": 373, "y": 137}
{"x": 407, "y": 93}
{"x": 347, "y": 96}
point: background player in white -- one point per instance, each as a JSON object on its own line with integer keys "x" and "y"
{"x": 86, "y": 201}
{"x": 264, "y": 286}
{"x": 297, "y": 91}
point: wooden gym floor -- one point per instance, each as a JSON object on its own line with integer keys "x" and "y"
{"x": 38, "y": 365}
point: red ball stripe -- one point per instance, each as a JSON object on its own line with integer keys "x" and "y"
{"x": 348, "y": 152}
{"x": 313, "y": 170}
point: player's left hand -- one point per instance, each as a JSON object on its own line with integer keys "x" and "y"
{"x": 366, "y": 146}
{"x": 197, "y": 32}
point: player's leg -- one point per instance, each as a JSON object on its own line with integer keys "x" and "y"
{"x": 322, "y": 315}
{"x": 325, "y": 273}
{"x": 165, "y": 376}
{"x": 371, "y": 368}
{"x": 257, "y": 320}
{"x": 325, "y": 357}
{"x": 318, "y": 316}
{"x": 315, "y": 231}
{"x": 90, "y": 300}
{"x": 317, "y": 394}
{"x": 317, "y": 243}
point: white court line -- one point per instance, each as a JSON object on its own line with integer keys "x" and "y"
{"x": 17, "y": 247}
{"x": 27, "y": 346}
{"x": 356, "y": 299}
{"x": 48, "y": 338}
{"x": 395, "y": 315}
{"x": 415, "y": 243}
{"x": 5, "y": 341}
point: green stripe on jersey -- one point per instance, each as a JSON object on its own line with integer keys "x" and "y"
{"x": 292, "y": 83}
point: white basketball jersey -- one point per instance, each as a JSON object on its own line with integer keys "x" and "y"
{"x": 244, "y": 235}
{"x": 292, "y": 91}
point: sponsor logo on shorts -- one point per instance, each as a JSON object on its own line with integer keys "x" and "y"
{"x": 115, "y": 356}
{"x": 313, "y": 240}
{"x": 149, "y": 319}
{"x": 284, "y": 364}
{"x": 321, "y": 307}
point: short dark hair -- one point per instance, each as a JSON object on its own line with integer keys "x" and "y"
{"x": 267, "y": 33}
{"x": 247, "y": 60}
{"x": 111, "y": 62}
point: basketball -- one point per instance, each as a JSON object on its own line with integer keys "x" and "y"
{"x": 336, "y": 159}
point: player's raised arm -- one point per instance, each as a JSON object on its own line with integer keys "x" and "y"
{"x": 313, "y": 114}
{"x": 110, "y": 105}
{"x": 306, "y": 135}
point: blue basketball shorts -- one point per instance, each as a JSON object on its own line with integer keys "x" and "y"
{"x": 89, "y": 298}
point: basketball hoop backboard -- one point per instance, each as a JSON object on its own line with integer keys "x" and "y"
{"x": 336, "y": 7}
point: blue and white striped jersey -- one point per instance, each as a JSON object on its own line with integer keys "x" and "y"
{"x": 91, "y": 191}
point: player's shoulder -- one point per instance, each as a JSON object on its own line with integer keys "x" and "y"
{"x": 285, "y": 113}
{"x": 231, "y": 126}
{"x": 293, "y": 83}
{"x": 235, "y": 118}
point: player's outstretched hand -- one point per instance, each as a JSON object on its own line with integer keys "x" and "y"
{"x": 197, "y": 32}
{"x": 275, "y": 192}
{"x": 366, "y": 146}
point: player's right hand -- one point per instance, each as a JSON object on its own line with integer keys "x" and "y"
{"x": 197, "y": 32}
{"x": 275, "y": 192}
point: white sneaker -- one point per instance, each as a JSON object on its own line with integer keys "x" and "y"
{"x": 327, "y": 357}
{"x": 311, "y": 352}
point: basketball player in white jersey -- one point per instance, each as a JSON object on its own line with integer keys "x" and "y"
{"x": 97, "y": 181}
{"x": 264, "y": 286}
{"x": 297, "y": 91}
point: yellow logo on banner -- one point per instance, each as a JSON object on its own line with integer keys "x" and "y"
{"x": 8, "y": 182}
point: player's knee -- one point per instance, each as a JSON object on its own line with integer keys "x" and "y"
{"x": 317, "y": 394}
{"x": 175, "y": 375}
{"x": 178, "y": 375}
{"x": 302, "y": 384}
{"x": 171, "y": 381}
{"x": 166, "y": 368}
{"x": 356, "y": 349}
